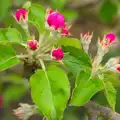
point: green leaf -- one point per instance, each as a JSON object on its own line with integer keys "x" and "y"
{"x": 7, "y": 57}
{"x": 110, "y": 94}
{"x": 73, "y": 42}
{"x": 76, "y": 60}
{"x": 12, "y": 22}
{"x": 108, "y": 11}
{"x": 13, "y": 93}
{"x": 113, "y": 78}
{"x": 50, "y": 91}
{"x": 56, "y": 5}
{"x": 85, "y": 88}
{"x": 37, "y": 16}
{"x": 10, "y": 35}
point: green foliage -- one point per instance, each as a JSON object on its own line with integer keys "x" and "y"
{"x": 73, "y": 42}
{"x": 113, "y": 78}
{"x": 58, "y": 5}
{"x": 7, "y": 57}
{"x": 85, "y": 88}
{"x": 108, "y": 11}
{"x": 10, "y": 35}
{"x": 76, "y": 60}
{"x": 110, "y": 94}
{"x": 50, "y": 91}
{"x": 37, "y": 16}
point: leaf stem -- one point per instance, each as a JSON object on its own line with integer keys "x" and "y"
{"x": 43, "y": 67}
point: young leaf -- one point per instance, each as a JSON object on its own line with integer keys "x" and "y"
{"x": 110, "y": 94}
{"x": 10, "y": 35}
{"x": 73, "y": 42}
{"x": 37, "y": 16}
{"x": 85, "y": 88}
{"x": 7, "y": 57}
{"x": 50, "y": 91}
{"x": 76, "y": 60}
{"x": 113, "y": 78}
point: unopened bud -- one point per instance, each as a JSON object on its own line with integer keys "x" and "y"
{"x": 21, "y": 15}
{"x": 57, "y": 54}
{"x": 32, "y": 44}
{"x": 111, "y": 37}
{"x": 86, "y": 40}
{"x": 115, "y": 68}
{"x": 55, "y": 20}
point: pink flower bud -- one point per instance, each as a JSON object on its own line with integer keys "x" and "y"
{"x": 32, "y": 44}
{"x": 21, "y": 14}
{"x": 55, "y": 20}
{"x": 58, "y": 54}
{"x": 118, "y": 69}
{"x": 65, "y": 31}
{"x": 111, "y": 37}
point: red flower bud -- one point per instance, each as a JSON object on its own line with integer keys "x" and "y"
{"x": 21, "y": 14}
{"x": 111, "y": 37}
{"x": 55, "y": 19}
{"x": 65, "y": 31}
{"x": 118, "y": 69}
{"x": 58, "y": 54}
{"x": 32, "y": 44}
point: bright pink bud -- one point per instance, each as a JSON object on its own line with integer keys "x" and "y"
{"x": 32, "y": 44}
{"x": 65, "y": 31}
{"x": 118, "y": 69}
{"x": 111, "y": 37}
{"x": 55, "y": 20}
{"x": 21, "y": 14}
{"x": 58, "y": 54}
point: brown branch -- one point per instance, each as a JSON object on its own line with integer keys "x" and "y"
{"x": 92, "y": 117}
{"x": 95, "y": 109}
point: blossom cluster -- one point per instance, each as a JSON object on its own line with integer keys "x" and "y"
{"x": 54, "y": 21}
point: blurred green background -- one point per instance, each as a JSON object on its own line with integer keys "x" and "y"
{"x": 97, "y": 16}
